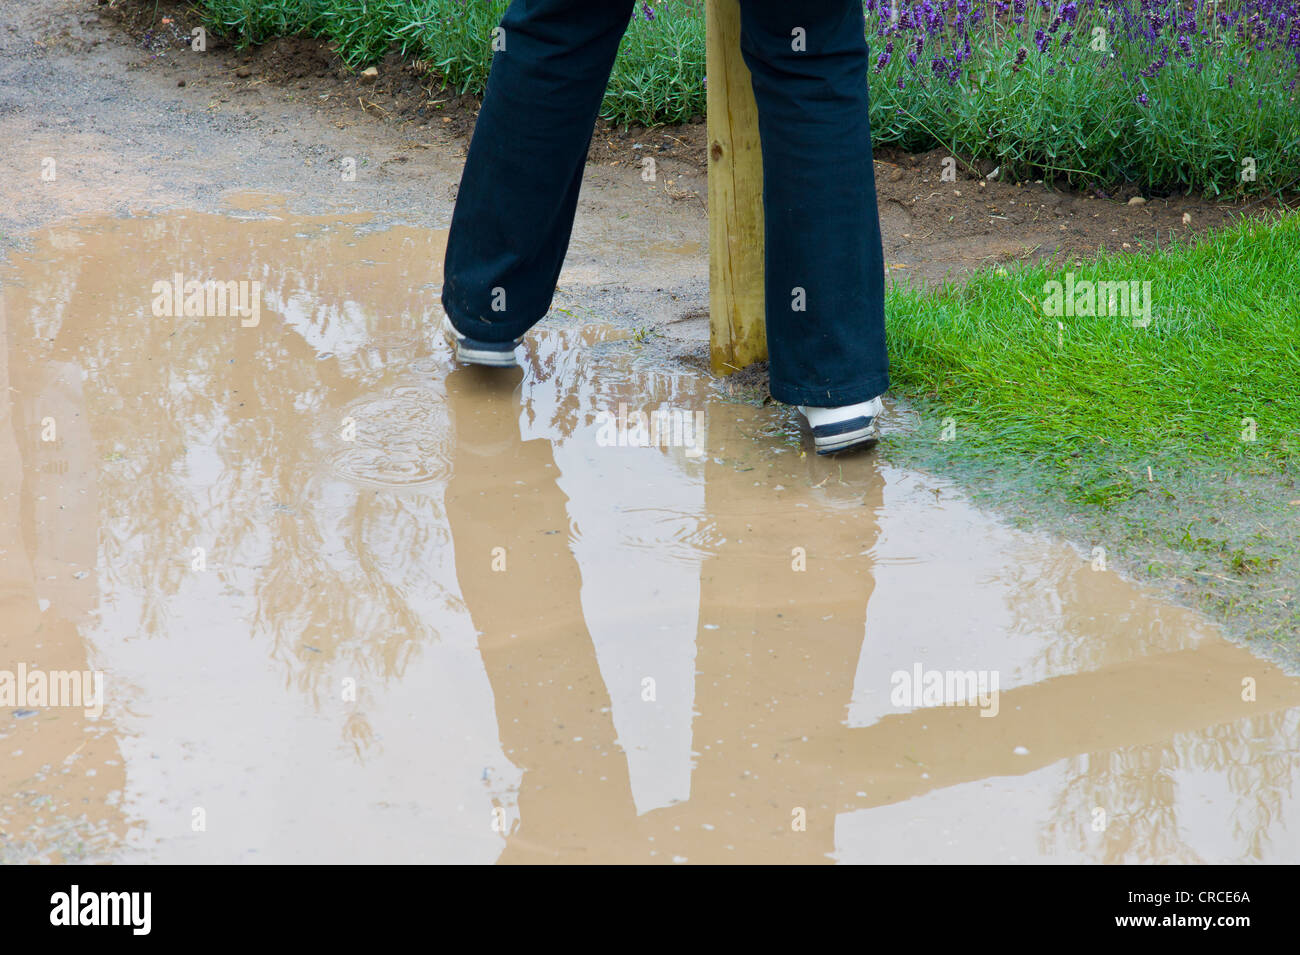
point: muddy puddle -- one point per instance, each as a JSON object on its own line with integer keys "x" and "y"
{"x": 350, "y": 603}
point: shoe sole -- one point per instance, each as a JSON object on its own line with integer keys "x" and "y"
{"x": 856, "y": 432}
{"x": 482, "y": 353}
{"x": 472, "y": 352}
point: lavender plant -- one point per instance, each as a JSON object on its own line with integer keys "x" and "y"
{"x": 1170, "y": 94}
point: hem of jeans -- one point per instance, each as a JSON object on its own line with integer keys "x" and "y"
{"x": 460, "y": 325}
{"x": 831, "y": 397}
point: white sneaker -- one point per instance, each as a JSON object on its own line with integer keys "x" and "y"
{"x": 847, "y": 426}
{"x": 471, "y": 351}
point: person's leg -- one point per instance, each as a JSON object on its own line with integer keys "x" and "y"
{"x": 825, "y": 270}
{"x": 514, "y": 211}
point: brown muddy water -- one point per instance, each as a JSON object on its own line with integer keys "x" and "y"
{"x": 351, "y": 603}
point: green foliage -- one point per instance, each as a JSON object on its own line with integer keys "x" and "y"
{"x": 1222, "y": 350}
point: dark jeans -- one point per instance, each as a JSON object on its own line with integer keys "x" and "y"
{"x": 825, "y": 270}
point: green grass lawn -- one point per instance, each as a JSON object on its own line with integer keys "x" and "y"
{"x": 1218, "y": 349}
{"x": 1172, "y": 443}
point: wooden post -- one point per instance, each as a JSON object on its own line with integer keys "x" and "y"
{"x": 737, "y": 335}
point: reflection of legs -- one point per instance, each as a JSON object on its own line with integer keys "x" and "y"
{"x": 553, "y": 709}
{"x": 825, "y": 267}
{"x": 514, "y": 212}
{"x": 775, "y": 679}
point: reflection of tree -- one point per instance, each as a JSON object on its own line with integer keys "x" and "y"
{"x": 1088, "y": 618}
{"x": 1135, "y": 788}
{"x": 559, "y": 368}
{"x": 1259, "y": 766}
{"x": 206, "y": 432}
{"x": 1139, "y": 790}
{"x": 310, "y": 599}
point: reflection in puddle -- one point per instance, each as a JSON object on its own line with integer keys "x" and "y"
{"x": 401, "y": 438}
{"x": 353, "y": 604}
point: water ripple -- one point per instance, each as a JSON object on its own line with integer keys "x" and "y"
{"x": 403, "y": 439}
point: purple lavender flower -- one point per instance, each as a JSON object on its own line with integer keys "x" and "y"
{"x": 955, "y": 37}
